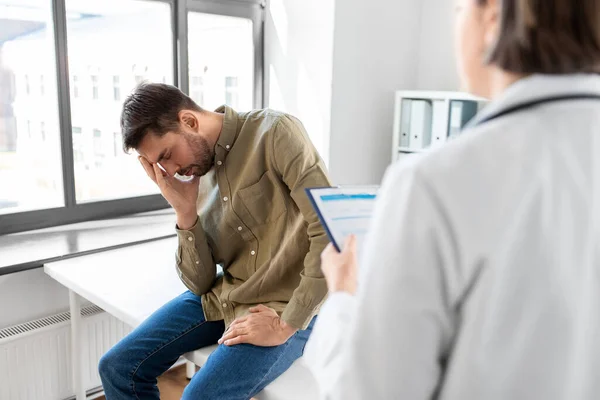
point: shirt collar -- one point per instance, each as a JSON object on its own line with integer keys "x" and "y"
{"x": 537, "y": 87}
{"x": 229, "y": 129}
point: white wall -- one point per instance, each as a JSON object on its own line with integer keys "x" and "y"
{"x": 336, "y": 66}
{"x": 29, "y": 295}
{"x": 376, "y": 52}
{"x": 298, "y": 54}
{"x": 436, "y": 70}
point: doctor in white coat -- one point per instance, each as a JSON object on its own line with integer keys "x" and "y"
{"x": 480, "y": 278}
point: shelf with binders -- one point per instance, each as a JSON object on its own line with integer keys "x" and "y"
{"x": 424, "y": 119}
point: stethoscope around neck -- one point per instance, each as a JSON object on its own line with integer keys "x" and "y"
{"x": 535, "y": 103}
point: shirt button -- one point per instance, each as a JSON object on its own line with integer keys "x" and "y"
{"x": 253, "y": 252}
{"x": 224, "y": 305}
{"x": 219, "y": 163}
{"x": 190, "y": 238}
{"x": 227, "y": 147}
{"x": 197, "y": 262}
{"x": 239, "y": 228}
{"x": 225, "y": 198}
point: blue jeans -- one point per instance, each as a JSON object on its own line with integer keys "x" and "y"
{"x": 129, "y": 370}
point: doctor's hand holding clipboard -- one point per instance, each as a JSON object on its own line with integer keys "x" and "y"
{"x": 345, "y": 213}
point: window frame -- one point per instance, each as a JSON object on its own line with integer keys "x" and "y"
{"x": 73, "y": 212}
{"x": 253, "y": 10}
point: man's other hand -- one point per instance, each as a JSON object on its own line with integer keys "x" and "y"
{"x": 262, "y": 327}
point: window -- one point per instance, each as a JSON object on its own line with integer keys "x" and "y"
{"x": 28, "y": 148}
{"x": 231, "y": 91}
{"x": 47, "y": 114}
{"x": 118, "y": 143}
{"x": 98, "y": 150}
{"x": 75, "y": 84}
{"x": 116, "y": 88}
{"x": 77, "y": 146}
{"x": 94, "y": 79}
{"x": 227, "y": 76}
{"x": 197, "y": 90}
{"x": 98, "y": 143}
{"x": 140, "y": 32}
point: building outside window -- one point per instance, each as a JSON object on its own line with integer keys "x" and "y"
{"x": 116, "y": 88}
{"x": 118, "y": 144}
{"x": 78, "y": 150}
{"x": 94, "y": 79}
{"x": 231, "y": 91}
{"x": 75, "y": 86}
{"x": 197, "y": 90}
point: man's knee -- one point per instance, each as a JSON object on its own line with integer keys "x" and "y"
{"x": 109, "y": 365}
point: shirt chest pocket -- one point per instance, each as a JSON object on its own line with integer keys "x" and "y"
{"x": 261, "y": 202}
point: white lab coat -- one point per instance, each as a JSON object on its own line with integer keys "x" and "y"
{"x": 481, "y": 273}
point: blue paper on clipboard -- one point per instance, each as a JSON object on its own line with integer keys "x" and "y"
{"x": 344, "y": 210}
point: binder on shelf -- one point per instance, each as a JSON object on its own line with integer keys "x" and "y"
{"x": 439, "y": 122}
{"x": 405, "y": 118}
{"x": 461, "y": 112}
{"x": 420, "y": 124}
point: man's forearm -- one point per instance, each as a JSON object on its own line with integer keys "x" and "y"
{"x": 195, "y": 261}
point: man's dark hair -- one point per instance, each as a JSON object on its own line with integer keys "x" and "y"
{"x": 548, "y": 36}
{"x": 152, "y": 107}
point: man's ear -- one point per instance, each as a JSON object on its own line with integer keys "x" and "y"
{"x": 188, "y": 118}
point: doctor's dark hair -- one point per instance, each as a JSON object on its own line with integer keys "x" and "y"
{"x": 152, "y": 108}
{"x": 548, "y": 36}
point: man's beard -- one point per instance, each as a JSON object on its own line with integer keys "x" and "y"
{"x": 203, "y": 155}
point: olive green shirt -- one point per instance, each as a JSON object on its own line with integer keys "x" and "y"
{"x": 257, "y": 223}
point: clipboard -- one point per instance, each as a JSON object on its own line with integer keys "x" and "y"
{"x": 344, "y": 210}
